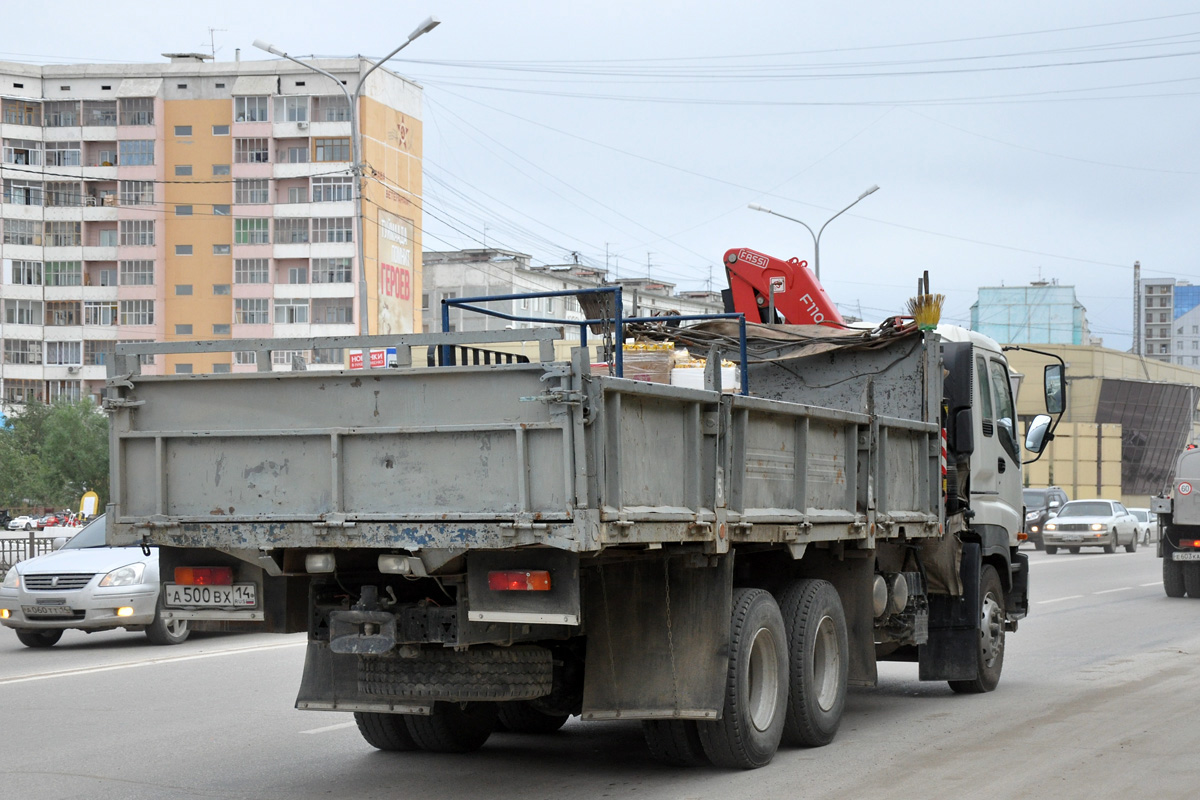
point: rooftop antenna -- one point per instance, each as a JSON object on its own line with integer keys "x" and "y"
{"x": 212, "y": 40}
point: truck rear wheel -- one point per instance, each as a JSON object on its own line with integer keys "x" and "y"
{"x": 1191, "y": 579}
{"x": 817, "y": 662}
{"x": 520, "y": 716}
{"x": 991, "y": 635}
{"x": 385, "y": 731}
{"x": 1172, "y": 576}
{"x": 453, "y": 727}
{"x": 752, "y": 718}
{"x": 675, "y": 742}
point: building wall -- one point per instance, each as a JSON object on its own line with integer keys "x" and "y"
{"x": 1044, "y": 314}
{"x": 1085, "y": 460}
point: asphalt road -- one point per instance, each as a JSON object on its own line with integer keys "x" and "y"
{"x": 1098, "y": 699}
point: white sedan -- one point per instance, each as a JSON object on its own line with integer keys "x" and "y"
{"x": 1091, "y": 523}
{"x": 23, "y": 523}
{"x": 89, "y": 586}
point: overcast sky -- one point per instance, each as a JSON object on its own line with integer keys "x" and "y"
{"x": 1012, "y": 141}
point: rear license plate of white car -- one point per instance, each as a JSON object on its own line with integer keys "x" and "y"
{"x": 1190, "y": 556}
{"x": 48, "y": 611}
{"x": 238, "y": 595}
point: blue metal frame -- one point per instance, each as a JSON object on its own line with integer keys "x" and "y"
{"x": 618, "y": 321}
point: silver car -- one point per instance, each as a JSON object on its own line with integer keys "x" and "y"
{"x": 1091, "y": 523}
{"x": 89, "y": 586}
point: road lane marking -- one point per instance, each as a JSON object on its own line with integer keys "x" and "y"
{"x": 337, "y": 727}
{"x": 1059, "y": 599}
{"x": 1110, "y": 591}
{"x": 67, "y": 673}
{"x": 1156, "y": 583}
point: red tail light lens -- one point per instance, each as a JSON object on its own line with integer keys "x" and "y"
{"x": 204, "y": 576}
{"x": 519, "y": 580}
{"x": 1189, "y": 542}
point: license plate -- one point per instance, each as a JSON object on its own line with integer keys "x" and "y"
{"x": 1072, "y": 538}
{"x": 1190, "y": 556}
{"x": 48, "y": 611}
{"x": 239, "y": 595}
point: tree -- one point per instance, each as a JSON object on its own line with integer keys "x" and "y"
{"x": 50, "y": 453}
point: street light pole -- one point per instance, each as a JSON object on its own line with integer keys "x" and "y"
{"x": 355, "y": 149}
{"x": 816, "y": 236}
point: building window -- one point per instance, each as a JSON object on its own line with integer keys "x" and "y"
{"x": 331, "y": 189}
{"x": 137, "y": 232}
{"x": 220, "y": 249}
{"x": 220, "y": 368}
{"x": 64, "y": 194}
{"x": 63, "y": 313}
{"x": 332, "y": 229}
{"x": 252, "y": 151}
{"x": 245, "y": 357}
{"x": 331, "y": 270}
{"x": 62, "y": 114}
{"x": 294, "y": 155}
{"x": 220, "y": 130}
{"x": 285, "y": 357}
{"x": 22, "y": 112}
{"x": 64, "y": 353}
{"x": 22, "y": 351}
{"x": 183, "y": 170}
{"x": 183, "y": 130}
{"x": 329, "y": 355}
{"x": 99, "y": 313}
{"x": 23, "y": 193}
{"x": 183, "y": 211}
{"x": 292, "y": 109}
{"x": 23, "y": 312}
{"x": 298, "y": 194}
{"x": 331, "y": 150}
{"x": 291, "y": 230}
{"x": 252, "y": 230}
{"x": 26, "y": 273}
{"x": 221, "y": 211}
{"x": 334, "y": 108}
{"x": 297, "y": 275}
{"x": 220, "y": 169}
{"x": 136, "y": 273}
{"x": 1162, "y": 348}
{"x": 251, "y": 191}
{"x": 251, "y": 310}
{"x": 137, "y": 312}
{"x": 221, "y": 329}
{"x": 250, "y": 270}
{"x": 106, "y": 276}
{"x": 22, "y": 152}
{"x": 99, "y": 113}
{"x": 98, "y": 353}
{"x": 24, "y": 391}
{"x": 64, "y": 273}
{"x": 221, "y": 289}
{"x": 251, "y": 109}
{"x": 61, "y": 233}
{"x": 334, "y": 311}
{"x": 135, "y": 152}
{"x": 291, "y": 311}
{"x": 183, "y": 369}
{"x": 63, "y": 154}
{"x": 137, "y": 111}
{"x": 183, "y": 330}
{"x": 136, "y": 193}
{"x": 22, "y": 231}
{"x": 183, "y": 289}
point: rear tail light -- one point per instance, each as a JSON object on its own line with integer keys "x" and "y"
{"x": 519, "y": 580}
{"x": 1189, "y": 542}
{"x": 204, "y": 576}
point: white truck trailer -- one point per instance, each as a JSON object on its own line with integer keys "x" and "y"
{"x": 512, "y": 544}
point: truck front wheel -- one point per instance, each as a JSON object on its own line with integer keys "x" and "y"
{"x": 752, "y": 716}
{"x": 817, "y": 663}
{"x": 1172, "y": 576}
{"x": 991, "y": 635}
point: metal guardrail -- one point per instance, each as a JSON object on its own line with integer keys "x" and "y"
{"x": 14, "y": 549}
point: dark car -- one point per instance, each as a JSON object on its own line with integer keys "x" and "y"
{"x": 1041, "y": 505}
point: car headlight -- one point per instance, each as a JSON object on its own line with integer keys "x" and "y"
{"x": 1032, "y": 514}
{"x": 1097, "y": 526}
{"x": 127, "y": 575}
{"x": 12, "y": 580}
{"x": 1050, "y": 526}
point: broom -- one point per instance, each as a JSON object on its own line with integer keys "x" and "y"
{"x": 926, "y": 308}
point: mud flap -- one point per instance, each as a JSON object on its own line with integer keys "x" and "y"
{"x": 951, "y": 654}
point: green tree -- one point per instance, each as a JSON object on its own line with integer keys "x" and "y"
{"x": 49, "y": 453}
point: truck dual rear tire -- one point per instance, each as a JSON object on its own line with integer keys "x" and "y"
{"x": 520, "y": 716}
{"x": 818, "y": 666}
{"x": 453, "y": 727}
{"x": 1172, "y": 572}
{"x": 675, "y": 742}
{"x": 385, "y": 731}
{"x": 756, "y": 686}
{"x": 991, "y": 635}
{"x": 1191, "y": 579}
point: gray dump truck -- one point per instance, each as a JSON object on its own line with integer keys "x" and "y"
{"x": 1179, "y": 528}
{"x": 508, "y": 542}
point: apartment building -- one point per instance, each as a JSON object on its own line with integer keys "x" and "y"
{"x": 1168, "y": 321}
{"x": 196, "y": 200}
{"x": 1041, "y": 313}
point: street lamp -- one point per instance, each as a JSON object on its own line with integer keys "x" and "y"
{"x": 352, "y": 99}
{"x": 816, "y": 236}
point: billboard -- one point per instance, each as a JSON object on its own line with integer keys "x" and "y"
{"x": 395, "y": 274}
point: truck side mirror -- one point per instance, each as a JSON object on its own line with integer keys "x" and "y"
{"x": 1055, "y": 389}
{"x": 1038, "y": 435}
{"x": 964, "y": 436}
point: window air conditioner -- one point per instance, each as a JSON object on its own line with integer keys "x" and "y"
{"x": 302, "y": 125}
{"x": 72, "y": 370}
